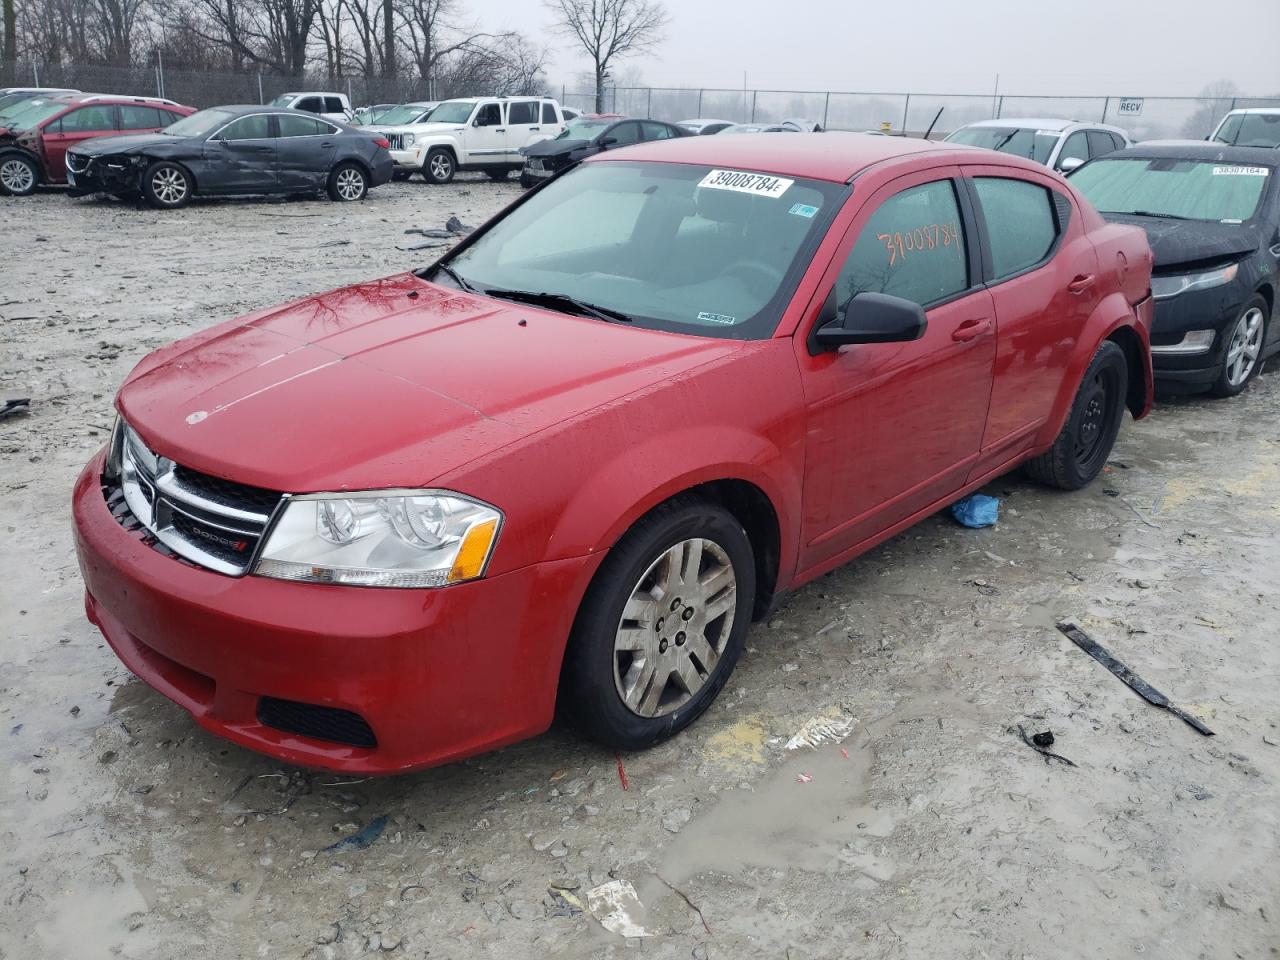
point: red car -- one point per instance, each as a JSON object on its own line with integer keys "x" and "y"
{"x": 392, "y": 525}
{"x": 33, "y": 147}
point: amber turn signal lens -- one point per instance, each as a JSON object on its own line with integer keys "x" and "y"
{"x": 474, "y": 552}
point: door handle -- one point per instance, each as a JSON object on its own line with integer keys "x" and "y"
{"x": 1080, "y": 283}
{"x": 971, "y": 330}
{"x": 535, "y": 128}
{"x": 500, "y": 130}
{"x": 326, "y": 146}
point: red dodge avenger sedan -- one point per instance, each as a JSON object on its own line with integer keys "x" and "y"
{"x": 396, "y": 524}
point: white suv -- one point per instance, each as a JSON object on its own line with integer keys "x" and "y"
{"x": 1251, "y": 127}
{"x": 323, "y": 103}
{"x": 473, "y": 133}
{"x": 1060, "y": 145}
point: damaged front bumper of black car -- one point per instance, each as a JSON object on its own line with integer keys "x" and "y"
{"x": 110, "y": 174}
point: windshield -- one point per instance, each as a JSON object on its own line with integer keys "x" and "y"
{"x": 455, "y": 112}
{"x": 25, "y": 116}
{"x": 583, "y": 129}
{"x": 1190, "y": 189}
{"x": 9, "y": 99}
{"x": 677, "y": 247}
{"x": 1250, "y": 130}
{"x": 1020, "y": 141}
{"x": 405, "y": 113}
{"x": 199, "y": 124}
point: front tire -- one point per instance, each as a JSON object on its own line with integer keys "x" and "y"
{"x": 1242, "y": 353}
{"x": 348, "y": 183}
{"x": 1081, "y": 449}
{"x": 166, "y": 186}
{"x": 661, "y": 627}
{"x": 19, "y": 176}
{"x": 439, "y": 167}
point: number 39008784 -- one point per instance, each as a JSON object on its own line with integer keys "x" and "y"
{"x": 930, "y": 237}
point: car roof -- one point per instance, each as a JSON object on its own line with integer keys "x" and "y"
{"x": 239, "y": 109}
{"x": 1272, "y": 110}
{"x": 1040, "y": 123}
{"x": 836, "y": 157}
{"x": 112, "y": 98}
{"x": 1199, "y": 150}
{"x": 313, "y": 93}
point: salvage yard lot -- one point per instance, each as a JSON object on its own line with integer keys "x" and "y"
{"x": 125, "y": 830}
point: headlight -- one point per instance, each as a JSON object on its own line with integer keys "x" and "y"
{"x": 409, "y": 140}
{"x": 1162, "y": 288}
{"x": 115, "y": 448}
{"x": 383, "y": 538}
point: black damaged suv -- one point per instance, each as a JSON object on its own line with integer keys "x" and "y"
{"x": 1212, "y": 216}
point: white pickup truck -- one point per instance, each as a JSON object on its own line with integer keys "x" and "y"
{"x": 473, "y": 133}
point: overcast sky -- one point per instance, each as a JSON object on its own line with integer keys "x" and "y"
{"x": 1120, "y": 47}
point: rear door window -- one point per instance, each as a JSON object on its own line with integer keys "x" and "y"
{"x": 141, "y": 118}
{"x": 334, "y": 105}
{"x": 912, "y": 247}
{"x": 522, "y": 112}
{"x": 294, "y": 125}
{"x": 1022, "y": 226}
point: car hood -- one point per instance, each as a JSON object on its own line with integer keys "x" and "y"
{"x": 1175, "y": 242}
{"x": 384, "y": 384}
{"x": 124, "y": 144}
{"x": 551, "y": 148}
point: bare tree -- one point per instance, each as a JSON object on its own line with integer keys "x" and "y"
{"x": 433, "y": 38}
{"x": 10, "y": 57}
{"x": 611, "y": 29}
{"x": 270, "y": 33}
{"x": 116, "y": 21}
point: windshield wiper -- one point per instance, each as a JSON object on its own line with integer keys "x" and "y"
{"x": 455, "y": 277}
{"x": 1162, "y": 216}
{"x": 561, "y": 301}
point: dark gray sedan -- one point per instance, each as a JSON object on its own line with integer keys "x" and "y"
{"x": 233, "y": 150}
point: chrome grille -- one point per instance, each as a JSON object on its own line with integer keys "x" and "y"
{"x": 396, "y": 140}
{"x": 213, "y": 522}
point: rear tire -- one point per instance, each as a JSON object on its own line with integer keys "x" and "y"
{"x": 661, "y": 626}
{"x": 19, "y": 175}
{"x": 439, "y": 167}
{"x": 348, "y": 183}
{"x": 1082, "y": 448}
{"x": 166, "y": 186}
{"x": 1242, "y": 353}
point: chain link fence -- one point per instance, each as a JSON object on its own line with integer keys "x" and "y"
{"x": 913, "y": 113}
{"x": 900, "y": 113}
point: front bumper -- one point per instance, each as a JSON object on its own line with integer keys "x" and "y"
{"x": 1216, "y": 309}
{"x": 408, "y": 159}
{"x": 102, "y": 176}
{"x": 437, "y": 675}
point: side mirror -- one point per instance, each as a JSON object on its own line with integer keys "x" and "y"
{"x": 1068, "y": 164}
{"x": 874, "y": 318}
{"x": 606, "y": 142}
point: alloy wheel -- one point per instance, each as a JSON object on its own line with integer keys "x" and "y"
{"x": 169, "y": 185}
{"x": 441, "y": 167}
{"x": 1244, "y": 347}
{"x": 674, "y": 627}
{"x": 350, "y": 184}
{"x": 17, "y": 177}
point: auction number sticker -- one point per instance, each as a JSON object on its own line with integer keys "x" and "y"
{"x": 758, "y": 184}
{"x": 1240, "y": 171}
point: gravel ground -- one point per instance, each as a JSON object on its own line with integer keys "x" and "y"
{"x": 923, "y": 827}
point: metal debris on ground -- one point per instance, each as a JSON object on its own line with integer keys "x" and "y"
{"x": 454, "y": 225}
{"x": 11, "y": 407}
{"x": 803, "y": 778}
{"x": 824, "y": 728}
{"x": 1040, "y": 743}
{"x": 1131, "y": 679}
{"x": 335, "y": 243}
{"x": 422, "y": 246}
{"x": 622, "y": 771}
{"x": 976, "y": 510}
{"x": 362, "y": 840}
{"x": 616, "y": 904}
{"x": 431, "y": 232}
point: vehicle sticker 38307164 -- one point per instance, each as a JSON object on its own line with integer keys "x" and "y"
{"x": 760, "y": 184}
{"x": 1239, "y": 171}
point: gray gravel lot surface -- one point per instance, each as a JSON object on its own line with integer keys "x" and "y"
{"x": 929, "y": 831}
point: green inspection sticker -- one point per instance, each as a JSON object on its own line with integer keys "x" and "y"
{"x": 803, "y": 210}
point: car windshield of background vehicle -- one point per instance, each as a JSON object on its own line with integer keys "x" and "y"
{"x": 1020, "y": 141}
{"x": 580, "y": 129}
{"x": 284, "y": 100}
{"x": 451, "y": 113}
{"x": 33, "y": 113}
{"x": 1170, "y": 187}
{"x": 198, "y": 124}
{"x": 401, "y": 114}
{"x": 1250, "y": 130}
{"x": 676, "y": 247}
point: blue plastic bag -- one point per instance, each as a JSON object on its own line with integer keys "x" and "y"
{"x": 976, "y": 510}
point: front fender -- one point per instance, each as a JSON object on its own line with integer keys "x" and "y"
{"x": 1113, "y": 313}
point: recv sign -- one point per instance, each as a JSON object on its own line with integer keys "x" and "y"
{"x": 1130, "y": 107}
